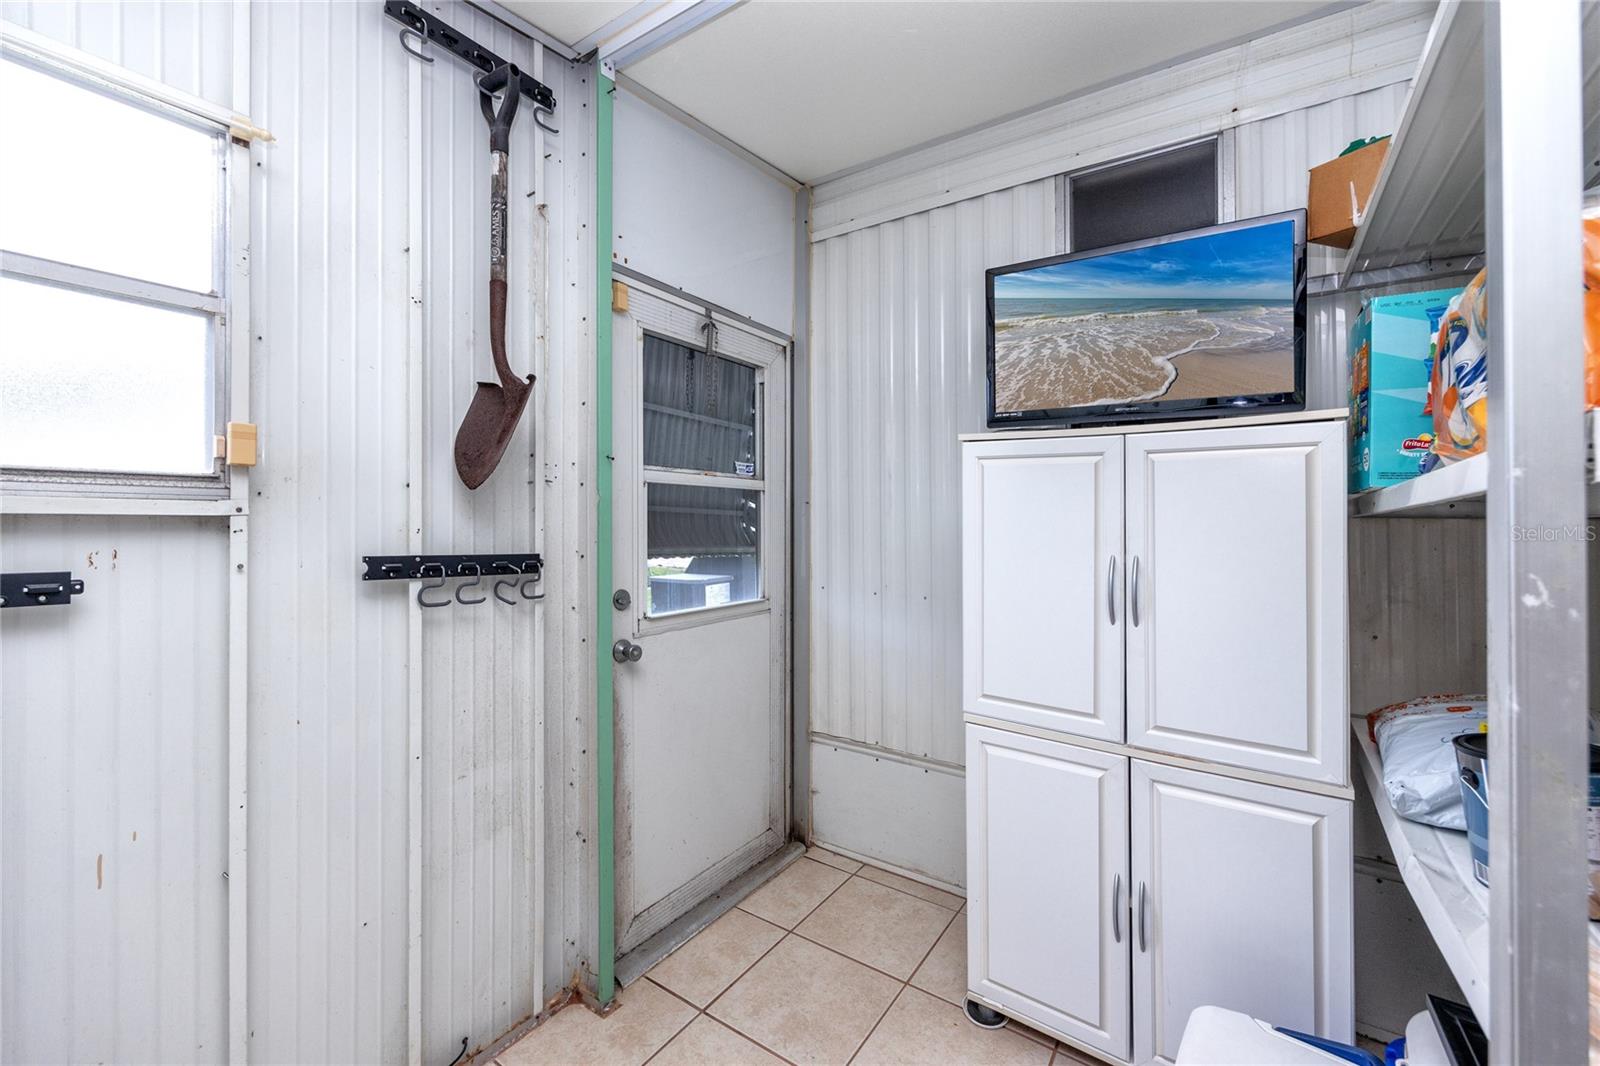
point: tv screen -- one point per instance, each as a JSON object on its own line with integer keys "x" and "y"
{"x": 1204, "y": 322}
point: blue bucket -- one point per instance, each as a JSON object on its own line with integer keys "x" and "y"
{"x": 1472, "y": 761}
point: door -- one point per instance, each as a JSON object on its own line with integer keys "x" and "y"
{"x": 702, "y": 574}
{"x": 1236, "y": 585}
{"x": 1041, "y": 543}
{"x": 1241, "y": 897}
{"x": 1047, "y": 884}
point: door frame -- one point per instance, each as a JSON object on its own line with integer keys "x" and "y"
{"x": 677, "y": 317}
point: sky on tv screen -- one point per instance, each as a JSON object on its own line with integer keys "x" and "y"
{"x": 1256, "y": 263}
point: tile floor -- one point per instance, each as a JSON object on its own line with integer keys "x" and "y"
{"x": 829, "y": 962}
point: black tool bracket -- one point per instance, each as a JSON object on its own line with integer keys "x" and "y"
{"x": 421, "y": 567}
{"x": 44, "y": 589}
{"x": 438, "y": 32}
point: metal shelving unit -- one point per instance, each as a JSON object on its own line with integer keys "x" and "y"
{"x": 1499, "y": 137}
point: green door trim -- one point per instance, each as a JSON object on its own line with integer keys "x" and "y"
{"x": 604, "y": 701}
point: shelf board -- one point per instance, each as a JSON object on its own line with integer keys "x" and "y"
{"x": 1454, "y": 491}
{"x": 1437, "y": 869}
{"x": 1457, "y": 490}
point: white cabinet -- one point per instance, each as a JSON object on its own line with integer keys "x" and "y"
{"x": 1236, "y": 584}
{"x": 1246, "y": 894}
{"x": 1154, "y": 673}
{"x": 1047, "y": 885}
{"x": 1042, "y": 617}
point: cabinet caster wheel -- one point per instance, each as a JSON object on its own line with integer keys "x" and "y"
{"x": 983, "y": 1017}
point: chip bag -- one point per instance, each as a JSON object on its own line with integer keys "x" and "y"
{"x": 1591, "y": 312}
{"x": 1459, "y": 389}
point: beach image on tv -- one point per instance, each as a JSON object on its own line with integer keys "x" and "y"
{"x": 1192, "y": 319}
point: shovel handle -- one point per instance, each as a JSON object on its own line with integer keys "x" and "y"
{"x": 498, "y": 232}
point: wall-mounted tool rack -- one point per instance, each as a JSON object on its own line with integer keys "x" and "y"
{"x": 436, "y": 31}
{"x": 47, "y": 589}
{"x": 423, "y": 567}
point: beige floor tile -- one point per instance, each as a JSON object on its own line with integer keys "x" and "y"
{"x": 700, "y": 969}
{"x": 933, "y": 895}
{"x": 806, "y": 1003}
{"x": 646, "y": 1017}
{"x": 1032, "y": 1034}
{"x": 794, "y": 893}
{"x": 838, "y": 862}
{"x": 710, "y": 1043}
{"x": 944, "y": 972}
{"x": 920, "y": 1028}
{"x": 874, "y": 924}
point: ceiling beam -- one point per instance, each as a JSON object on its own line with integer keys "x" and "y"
{"x": 647, "y": 28}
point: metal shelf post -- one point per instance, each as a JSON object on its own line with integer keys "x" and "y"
{"x": 1537, "y": 599}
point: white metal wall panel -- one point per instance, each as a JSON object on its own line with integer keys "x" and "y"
{"x": 187, "y": 44}
{"x": 693, "y": 215}
{"x": 897, "y": 342}
{"x": 329, "y": 834}
{"x": 113, "y": 758}
{"x": 1346, "y": 53}
{"x": 329, "y": 680}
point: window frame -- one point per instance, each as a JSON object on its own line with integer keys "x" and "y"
{"x": 662, "y": 475}
{"x": 225, "y": 305}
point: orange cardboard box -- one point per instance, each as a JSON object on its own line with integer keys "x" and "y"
{"x": 1340, "y": 190}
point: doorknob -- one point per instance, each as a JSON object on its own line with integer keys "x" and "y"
{"x": 626, "y": 651}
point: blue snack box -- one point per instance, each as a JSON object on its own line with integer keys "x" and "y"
{"x": 1391, "y": 360}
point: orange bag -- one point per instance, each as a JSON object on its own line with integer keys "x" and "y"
{"x": 1591, "y": 312}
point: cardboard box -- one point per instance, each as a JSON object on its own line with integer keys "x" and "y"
{"x": 1339, "y": 193}
{"x": 1391, "y": 360}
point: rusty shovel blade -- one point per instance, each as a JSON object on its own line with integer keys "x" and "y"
{"x": 488, "y": 427}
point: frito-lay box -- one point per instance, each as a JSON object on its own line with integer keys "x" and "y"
{"x": 1391, "y": 360}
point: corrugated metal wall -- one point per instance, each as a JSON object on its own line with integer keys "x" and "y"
{"x": 897, "y": 318}
{"x": 897, "y": 339}
{"x": 329, "y": 677}
{"x": 113, "y": 784}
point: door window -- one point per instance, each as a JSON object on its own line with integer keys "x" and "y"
{"x": 702, "y": 478}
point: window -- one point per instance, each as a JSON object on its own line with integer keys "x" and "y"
{"x": 1148, "y": 197}
{"x": 112, "y": 245}
{"x": 703, "y": 488}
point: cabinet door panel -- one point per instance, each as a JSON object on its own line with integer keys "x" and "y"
{"x": 1041, "y": 583}
{"x": 1047, "y": 857}
{"x": 1238, "y": 655}
{"x": 1247, "y": 906}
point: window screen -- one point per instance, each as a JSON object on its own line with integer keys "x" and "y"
{"x": 1148, "y": 197}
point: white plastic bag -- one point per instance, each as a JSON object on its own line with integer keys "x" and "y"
{"x": 1419, "y": 761}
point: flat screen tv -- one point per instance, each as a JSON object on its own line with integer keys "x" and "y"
{"x": 1194, "y": 324}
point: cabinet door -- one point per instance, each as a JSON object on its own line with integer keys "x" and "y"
{"x": 1246, "y": 893}
{"x": 1236, "y": 560}
{"x": 1047, "y": 884}
{"x": 1041, "y": 583}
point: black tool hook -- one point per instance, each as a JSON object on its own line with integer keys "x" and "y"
{"x": 423, "y": 600}
{"x": 504, "y": 568}
{"x": 477, "y": 579}
{"x": 415, "y": 53}
{"x": 540, "y": 110}
{"x": 530, "y": 582}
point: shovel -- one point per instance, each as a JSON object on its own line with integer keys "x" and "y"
{"x": 496, "y": 408}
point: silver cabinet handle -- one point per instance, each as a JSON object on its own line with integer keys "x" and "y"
{"x": 1141, "y": 916}
{"x": 1111, "y": 590}
{"x": 1133, "y": 595}
{"x": 1116, "y": 897}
